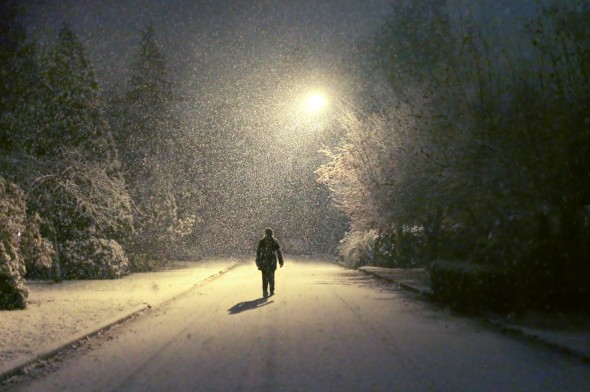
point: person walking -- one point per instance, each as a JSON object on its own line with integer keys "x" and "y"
{"x": 267, "y": 254}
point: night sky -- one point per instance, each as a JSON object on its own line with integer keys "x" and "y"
{"x": 209, "y": 35}
{"x": 214, "y": 45}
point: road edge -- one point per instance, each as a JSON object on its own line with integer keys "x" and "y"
{"x": 424, "y": 292}
{"x": 496, "y": 324}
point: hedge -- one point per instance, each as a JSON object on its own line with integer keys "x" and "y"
{"x": 472, "y": 286}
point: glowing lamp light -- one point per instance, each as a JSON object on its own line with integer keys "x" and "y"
{"x": 315, "y": 103}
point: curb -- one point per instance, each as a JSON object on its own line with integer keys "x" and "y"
{"x": 16, "y": 367}
{"x": 425, "y": 292}
{"x": 509, "y": 329}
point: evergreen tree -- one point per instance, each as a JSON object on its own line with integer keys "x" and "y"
{"x": 151, "y": 144}
{"x": 72, "y": 108}
{"x": 78, "y": 187}
{"x": 18, "y": 81}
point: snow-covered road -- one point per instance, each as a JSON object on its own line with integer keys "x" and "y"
{"x": 327, "y": 329}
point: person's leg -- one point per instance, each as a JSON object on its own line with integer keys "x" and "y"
{"x": 271, "y": 281}
{"x": 265, "y": 283}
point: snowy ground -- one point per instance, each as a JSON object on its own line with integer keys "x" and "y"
{"x": 59, "y": 311}
{"x": 326, "y": 329}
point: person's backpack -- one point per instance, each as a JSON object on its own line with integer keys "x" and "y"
{"x": 267, "y": 253}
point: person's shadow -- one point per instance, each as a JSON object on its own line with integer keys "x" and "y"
{"x": 249, "y": 305}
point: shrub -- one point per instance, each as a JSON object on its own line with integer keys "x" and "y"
{"x": 471, "y": 286}
{"x": 13, "y": 290}
{"x": 141, "y": 262}
{"x": 531, "y": 285}
{"x": 408, "y": 252}
{"x": 93, "y": 258}
{"x": 357, "y": 248}
{"x": 555, "y": 276}
{"x": 36, "y": 250}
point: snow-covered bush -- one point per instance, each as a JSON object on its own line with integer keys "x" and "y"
{"x": 357, "y": 248}
{"x": 143, "y": 262}
{"x": 13, "y": 290}
{"x": 36, "y": 250}
{"x": 93, "y": 258}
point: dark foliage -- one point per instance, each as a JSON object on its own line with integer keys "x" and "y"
{"x": 471, "y": 286}
{"x": 480, "y": 148}
{"x": 477, "y": 287}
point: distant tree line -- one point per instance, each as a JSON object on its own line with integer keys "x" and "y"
{"x": 88, "y": 189}
{"x": 472, "y": 153}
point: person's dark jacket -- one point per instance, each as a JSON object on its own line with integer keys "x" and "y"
{"x": 267, "y": 253}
